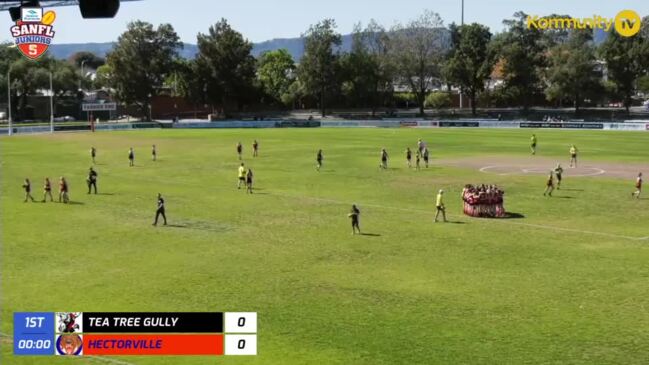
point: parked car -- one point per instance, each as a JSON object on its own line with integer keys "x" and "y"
{"x": 65, "y": 118}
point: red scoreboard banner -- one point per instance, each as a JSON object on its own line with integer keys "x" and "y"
{"x": 128, "y": 334}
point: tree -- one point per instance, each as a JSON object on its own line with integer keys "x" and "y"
{"x": 140, "y": 62}
{"x": 276, "y": 73}
{"x": 366, "y": 69}
{"x": 8, "y": 55}
{"x": 627, "y": 59}
{"x": 89, "y": 60}
{"x": 471, "y": 60}
{"x": 103, "y": 77}
{"x": 438, "y": 100}
{"x": 572, "y": 69}
{"x": 643, "y": 84}
{"x": 417, "y": 51}
{"x": 225, "y": 65}
{"x": 521, "y": 50}
{"x": 318, "y": 67}
{"x": 27, "y": 77}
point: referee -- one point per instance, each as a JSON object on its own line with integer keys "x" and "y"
{"x": 160, "y": 211}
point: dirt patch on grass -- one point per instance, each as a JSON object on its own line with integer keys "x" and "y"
{"x": 504, "y": 166}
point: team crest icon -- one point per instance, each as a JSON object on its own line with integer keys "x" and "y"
{"x": 69, "y": 344}
{"x": 69, "y": 322}
{"x": 34, "y": 32}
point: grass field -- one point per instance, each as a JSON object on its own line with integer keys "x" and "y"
{"x": 566, "y": 284}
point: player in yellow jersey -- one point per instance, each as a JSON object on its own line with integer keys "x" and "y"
{"x": 638, "y": 186}
{"x": 533, "y": 144}
{"x": 242, "y": 175}
{"x": 573, "y": 155}
{"x": 440, "y": 206}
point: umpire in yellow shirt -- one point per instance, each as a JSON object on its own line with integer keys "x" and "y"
{"x": 242, "y": 175}
{"x": 440, "y": 206}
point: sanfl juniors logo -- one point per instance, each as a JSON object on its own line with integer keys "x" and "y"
{"x": 34, "y": 32}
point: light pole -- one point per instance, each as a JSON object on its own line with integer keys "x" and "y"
{"x": 462, "y": 23}
{"x": 9, "y": 101}
{"x": 51, "y": 105}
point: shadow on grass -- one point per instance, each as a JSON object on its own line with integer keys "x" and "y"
{"x": 199, "y": 225}
{"x": 370, "y": 234}
{"x": 106, "y": 194}
{"x": 512, "y": 215}
{"x": 564, "y": 197}
{"x": 571, "y": 189}
{"x": 76, "y": 203}
{"x": 177, "y": 226}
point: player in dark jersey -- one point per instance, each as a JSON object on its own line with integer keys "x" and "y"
{"x": 131, "y": 157}
{"x": 93, "y": 153}
{"x": 549, "y": 185}
{"x": 27, "y": 185}
{"x": 160, "y": 211}
{"x": 558, "y": 172}
{"x": 384, "y": 159}
{"x": 47, "y": 190}
{"x": 318, "y": 160}
{"x": 355, "y": 217}
{"x": 418, "y": 160}
{"x": 154, "y": 153}
{"x": 239, "y": 149}
{"x": 409, "y": 157}
{"x": 63, "y": 191}
{"x": 91, "y": 180}
{"x": 249, "y": 181}
{"x": 426, "y": 157}
{"x": 255, "y": 148}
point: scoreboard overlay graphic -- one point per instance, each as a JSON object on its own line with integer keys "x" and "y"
{"x": 121, "y": 334}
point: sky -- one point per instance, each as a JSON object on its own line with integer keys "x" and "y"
{"x": 260, "y": 20}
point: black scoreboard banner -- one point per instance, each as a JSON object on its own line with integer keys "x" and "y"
{"x": 163, "y": 322}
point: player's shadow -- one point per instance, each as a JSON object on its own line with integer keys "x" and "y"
{"x": 564, "y": 197}
{"x": 371, "y": 234}
{"x": 571, "y": 189}
{"x": 106, "y": 194}
{"x": 177, "y": 226}
{"x": 513, "y": 215}
{"x": 76, "y": 203}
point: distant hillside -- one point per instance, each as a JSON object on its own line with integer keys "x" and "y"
{"x": 295, "y": 46}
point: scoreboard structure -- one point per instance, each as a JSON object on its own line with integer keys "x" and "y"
{"x": 122, "y": 334}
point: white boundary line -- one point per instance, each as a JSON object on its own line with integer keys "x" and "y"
{"x": 477, "y": 220}
{"x": 89, "y": 357}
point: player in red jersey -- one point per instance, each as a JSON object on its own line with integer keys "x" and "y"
{"x": 63, "y": 190}
{"x": 47, "y": 190}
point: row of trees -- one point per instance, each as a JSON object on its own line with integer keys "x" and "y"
{"x": 28, "y": 77}
{"x": 413, "y": 59}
